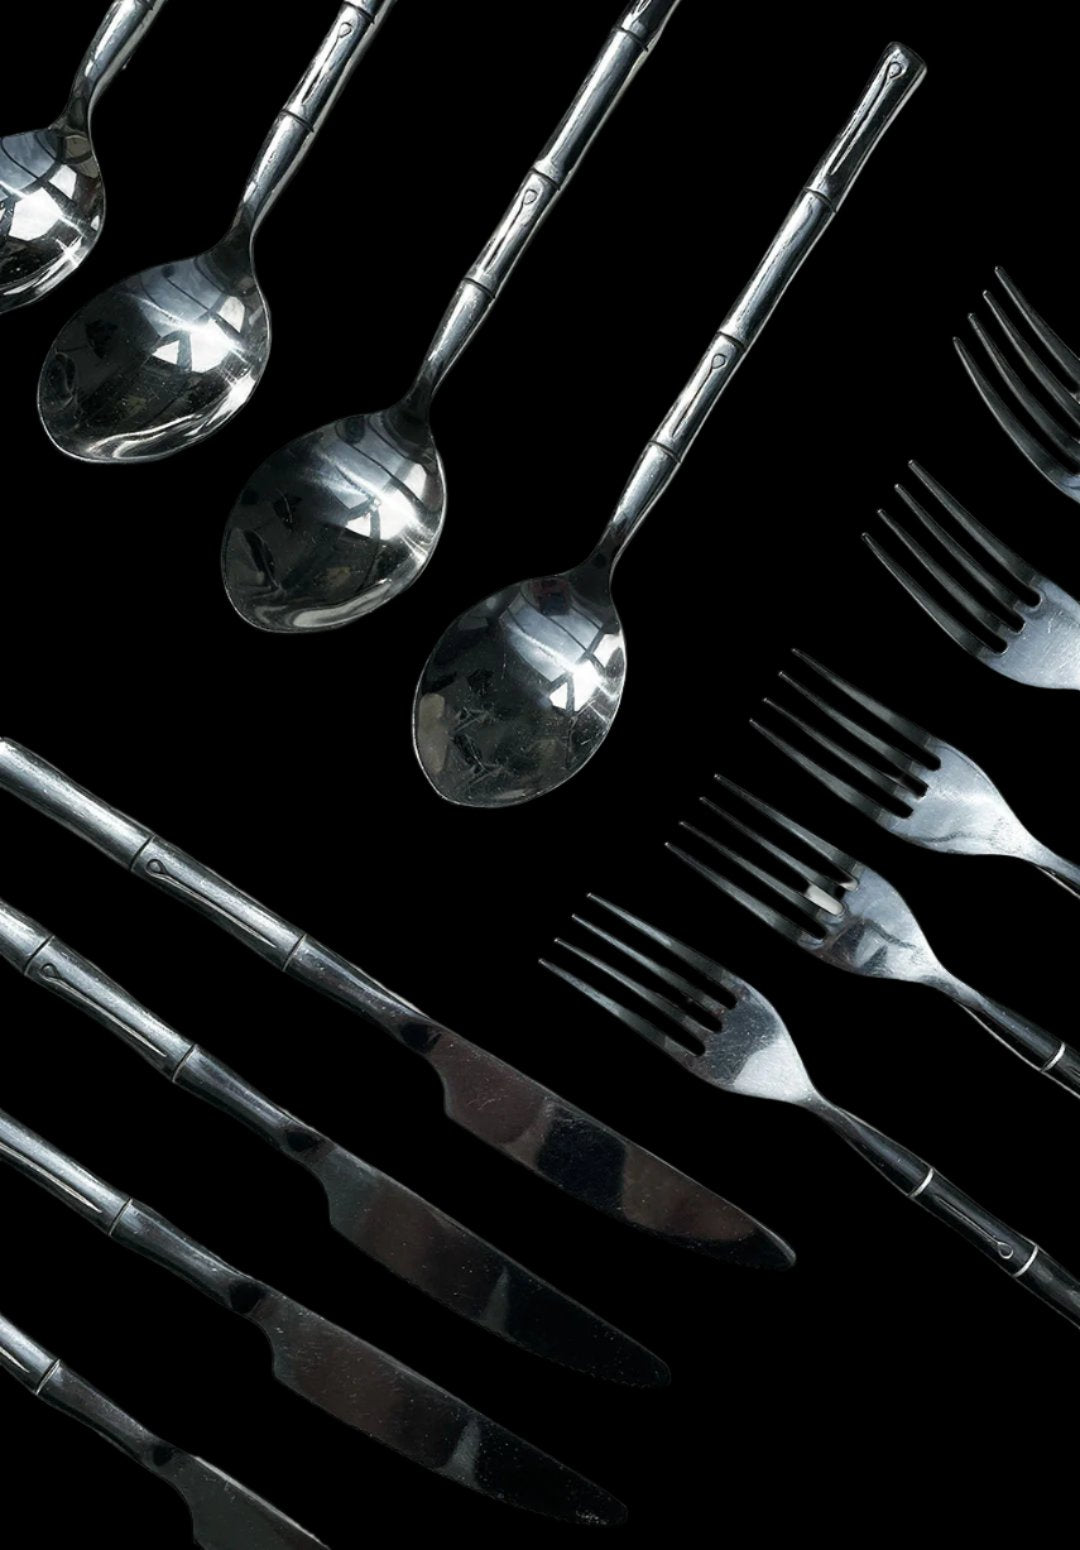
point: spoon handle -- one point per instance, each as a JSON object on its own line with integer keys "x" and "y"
{"x": 1019, "y": 1256}
{"x": 616, "y": 65}
{"x": 124, "y": 25}
{"x": 303, "y": 115}
{"x": 898, "y": 73}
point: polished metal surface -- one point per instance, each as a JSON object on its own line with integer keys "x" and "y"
{"x": 500, "y": 1105}
{"x": 401, "y": 1231}
{"x": 163, "y": 359}
{"x": 722, "y": 1030}
{"x": 343, "y": 519}
{"x": 333, "y": 1369}
{"x": 1029, "y": 630}
{"x": 52, "y": 197}
{"x": 850, "y": 916}
{"x": 521, "y": 690}
{"x": 1042, "y": 372}
{"x": 902, "y": 777}
{"x": 225, "y": 1515}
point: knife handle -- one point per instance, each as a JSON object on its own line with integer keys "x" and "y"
{"x": 156, "y": 1239}
{"x": 23, "y": 1358}
{"x": 37, "y": 955}
{"x": 46, "y": 1165}
{"x": 212, "y": 1080}
{"x": 1016, "y": 1254}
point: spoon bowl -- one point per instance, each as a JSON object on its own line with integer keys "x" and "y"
{"x": 521, "y": 690}
{"x": 336, "y": 523}
{"x": 52, "y": 198}
{"x": 158, "y": 360}
{"x": 52, "y": 209}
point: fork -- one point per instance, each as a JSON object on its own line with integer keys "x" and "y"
{"x": 731, "y": 1037}
{"x": 1029, "y": 630}
{"x": 945, "y": 801}
{"x": 850, "y": 916}
{"x": 1050, "y": 440}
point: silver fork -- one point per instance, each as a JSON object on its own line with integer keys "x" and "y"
{"x": 1004, "y": 612}
{"x": 1047, "y": 437}
{"x": 852, "y": 918}
{"x": 927, "y": 792}
{"x": 730, "y": 1036}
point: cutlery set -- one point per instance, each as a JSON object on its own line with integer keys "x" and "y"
{"x": 517, "y": 695}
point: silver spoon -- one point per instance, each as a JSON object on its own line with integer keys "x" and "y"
{"x": 523, "y": 687}
{"x": 52, "y": 199}
{"x": 341, "y": 520}
{"x": 165, "y": 358}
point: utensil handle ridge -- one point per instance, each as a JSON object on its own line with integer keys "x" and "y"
{"x": 622, "y": 55}
{"x": 124, "y": 26}
{"x": 1050, "y": 1055}
{"x": 303, "y": 115}
{"x": 1016, "y": 1254}
{"x": 37, "y": 955}
{"x": 26, "y": 1361}
{"x": 54, "y": 1171}
{"x": 898, "y": 73}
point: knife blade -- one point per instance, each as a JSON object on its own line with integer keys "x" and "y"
{"x": 495, "y": 1102}
{"x": 325, "y": 1364}
{"x": 224, "y": 1513}
{"x": 390, "y": 1223}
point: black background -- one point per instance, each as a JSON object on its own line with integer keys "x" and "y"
{"x": 850, "y": 1388}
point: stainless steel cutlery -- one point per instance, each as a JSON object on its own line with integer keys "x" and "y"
{"x": 1032, "y": 387}
{"x": 849, "y": 916}
{"x": 1003, "y": 611}
{"x": 163, "y": 359}
{"x": 343, "y": 519}
{"x": 52, "y": 197}
{"x": 902, "y": 777}
{"x": 323, "y": 1363}
{"x": 501, "y": 1106}
{"x": 724, "y": 1031}
{"x": 225, "y": 1515}
{"x": 401, "y": 1231}
{"x": 522, "y": 688}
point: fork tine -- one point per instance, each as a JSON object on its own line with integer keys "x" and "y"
{"x": 989, "y": 620}
{"x": 894, "y": 765}
{"x": 953, "y": 627}
{"x": 1063, "y": 444}
{"x": 1051, "y": 342}
{"x": 972, "y": 565}
{"x": 639, "y": 1024}
{"x": 800, "y": 936}
{"x": 796, "y": 898}
{"x": 1013, "y": 427}
{"x": 1048, "y": 380}
{"x": 708, "y": 968}
{"x": 838, "y": 858}
{"x": 652, "y": 998}
{"x": 889, "y": 785}
{"x": 914, "y": 734}
{"x": 839, "y": 787}
{"x": 1023, "y": 573}
{"x": 694, "y": 994}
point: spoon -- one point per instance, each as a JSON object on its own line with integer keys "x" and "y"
{"x": 52, "y": 199}
{"x": 338, "y": 522}
{"x": 523, "y": 687}
{"x": 163, "y": 359}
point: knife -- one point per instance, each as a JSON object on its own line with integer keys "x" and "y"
{"x": 333, "y": 1369}
{"x": 496, "y": 1103}
{"x": 378, "y": 1215}
{"x": 224, "y": 1513}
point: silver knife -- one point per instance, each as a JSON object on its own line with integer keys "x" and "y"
{"x": 498, "y": 1104}
{"x": 386, "y": 1221}
{"x": 225, "y": 1514}
{"x": 333, "y": 1369}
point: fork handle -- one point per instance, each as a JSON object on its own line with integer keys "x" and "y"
{"x": 1048, "y": 1054}
{"x": 1018, "y": 1256}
